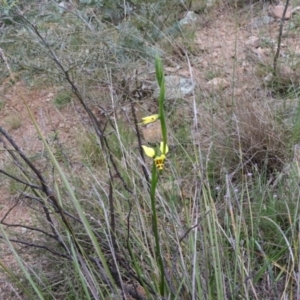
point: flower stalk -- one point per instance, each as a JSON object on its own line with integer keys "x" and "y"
{"x": 159, "y": 157}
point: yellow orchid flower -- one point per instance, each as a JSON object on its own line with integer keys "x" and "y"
{"x": 158, "y": 160}
{"x": 149, "y": 119}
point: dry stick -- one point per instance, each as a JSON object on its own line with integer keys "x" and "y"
{"x": 115, "y": 166}
{"x": 16, "y": 160}
{"x": 193, "y": 227}
{"x": 96, "y": 124}
{"x": 139, "y": 142}
{"x": 112, "y": 212}
{"x": 21, "y": 181}
{"x": 52, "y": 200}
{"x": 37, "y": 246}
{"x": 133, "y": 291}
{"x": 40, "y": 201}
{"x": 76, "y": 15}
{"x": 29, "y": 228}
{"x": 88, "y": 278}
{"x": 8, "y": 212}
{"x": 279, "y": 39}
{"x": 44, "y": 187}
{"x": 47, "y": 191}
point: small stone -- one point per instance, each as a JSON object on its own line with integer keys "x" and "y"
{"x": 297, "y": 153}
{"x": 171, "y": 69}
{"x": 278, "y": 10}
{"x": 190, "y": 18}
{"x": 199, "y": 41}
{"x": 215, "y": 54}
{"x": 260, "y": 54}
{"x": 239, "y": 92}
{"x": 218, "y": 83}
{"x": 186, "y": 86}
{"x": 296, "y": 9}
{"x": 253, "y": 41}
{"x": 297, "y": 50}
{"x": 269, "y": 78}
{"x": 267, "y": 20}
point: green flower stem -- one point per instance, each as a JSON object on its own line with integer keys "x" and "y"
{"x": 159, "y": 70}
{"x": 154, "y": 180}
{"x": 161, "y": 82}
{"x": 162, "y": 115}
{"x": 155, "y": 171}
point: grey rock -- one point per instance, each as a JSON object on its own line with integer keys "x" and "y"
{"x": 190, "y": 18}
{"x": 261, "y": 21}
{"x": 278, "y": 10}
{"x": 218, "y": 83}
{"x": 176, "y": 87}
{"x": 253, "y": 41}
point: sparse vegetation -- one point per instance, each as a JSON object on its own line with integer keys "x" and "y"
{"x": 213, "y": 213}
{"x": 89, "y": 149}
{"x": 62, "y": 99}
{"x": 2, "y": 103}
{"x": 14, "y": 122}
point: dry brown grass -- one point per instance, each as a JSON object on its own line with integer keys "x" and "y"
{"x": 258, "y": 139}
{"x": 245, "y": 136}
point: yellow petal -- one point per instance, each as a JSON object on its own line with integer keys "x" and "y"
{"x": 149, "y": 151}
{"x": 159, "y": 162}
{"x": 149, "y": 119}
{"x": 162, "y": 148}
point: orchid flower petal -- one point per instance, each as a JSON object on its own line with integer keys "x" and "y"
{"x": 149, "y": 119}
{"x": 162, "y": 148}
{"x": 149, "y": 151}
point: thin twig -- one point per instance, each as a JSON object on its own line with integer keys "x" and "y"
{"x": 21, "y": 181}
{"x": 36, "y": 246}
{"x": 8, "y": 212}
{"x": 30, "y": 228}
{"x": 139, "y": 142}
{"x": 112, "y": 212}
{"x": 44, "y": 188}
{"x": 275, "y": 62}
{"x": 96, "y": 124}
